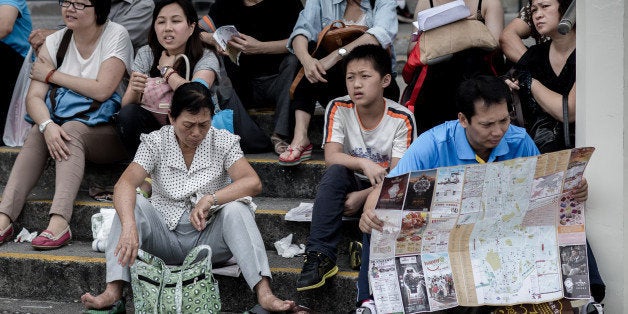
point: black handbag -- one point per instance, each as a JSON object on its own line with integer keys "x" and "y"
{"x": 549, "y": 134}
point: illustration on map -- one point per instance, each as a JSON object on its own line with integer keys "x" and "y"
{"x": 575, "y": 271}
{"x": 449, "y": 184}
{"x": 420, "y": 190}
{"x": 571, "y": 212}
{"x": 547, "y": 186}
{"x": 393, "y": 192}
{"x": 439, "y": 281}
{"x": 413, "y": 224}
{"x": 412, "y": 284}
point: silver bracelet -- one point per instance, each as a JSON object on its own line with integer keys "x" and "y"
{"x": 215, "y": 199}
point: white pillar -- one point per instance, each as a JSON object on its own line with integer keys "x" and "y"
{"x": 602, "y": 26}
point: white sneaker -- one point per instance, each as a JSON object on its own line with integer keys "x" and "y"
{"x": 367, "y": 307}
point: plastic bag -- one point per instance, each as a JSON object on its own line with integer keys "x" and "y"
{"x": 16, "y": 128}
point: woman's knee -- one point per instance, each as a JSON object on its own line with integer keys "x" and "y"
{"x": 236, "y": 212}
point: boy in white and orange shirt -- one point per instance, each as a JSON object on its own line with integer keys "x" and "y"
{"x": 365, "y": 136}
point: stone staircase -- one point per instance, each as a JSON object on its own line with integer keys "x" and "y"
{"x": 63, "y": 275}
{"x": 52, "y": 282}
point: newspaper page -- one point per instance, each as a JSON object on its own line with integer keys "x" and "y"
{"x": 223, "y": 35}
{"x": 501, "y": 233}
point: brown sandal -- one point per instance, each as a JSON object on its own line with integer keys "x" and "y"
{"x": 279, "y": 144}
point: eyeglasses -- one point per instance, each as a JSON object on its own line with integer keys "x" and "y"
{"x": 76, "y": 5}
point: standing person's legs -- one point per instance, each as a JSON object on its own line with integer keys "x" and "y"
{"x": 27, "y": 169}
{"x": 11, "y": 62}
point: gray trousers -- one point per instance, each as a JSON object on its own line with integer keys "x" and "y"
{"x": 233, "y": 233}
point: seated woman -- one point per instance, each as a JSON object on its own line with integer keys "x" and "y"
{"x": 173, "y": 31}
{"x": 198, "y": 172}
{"x": 324, "y": 77}
{"x": 549, "y": 75}
{"x": 97, "y": 57}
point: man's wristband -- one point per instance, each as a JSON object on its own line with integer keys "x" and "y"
{"x": 49, "y": 75}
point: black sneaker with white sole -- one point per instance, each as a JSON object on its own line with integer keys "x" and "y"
{"x": 316, "y": 269}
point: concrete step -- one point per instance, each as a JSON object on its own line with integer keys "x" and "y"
{"x": 302, "y": 179}
{"x": 63, "y": 275}
{"x": 269, "y": 217}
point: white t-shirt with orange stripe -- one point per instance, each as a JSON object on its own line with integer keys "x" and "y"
{"x": 390, "y": 138}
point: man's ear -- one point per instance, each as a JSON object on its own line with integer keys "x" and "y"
{"x": 386, "y": 80}
{"x": 463, "y": 120}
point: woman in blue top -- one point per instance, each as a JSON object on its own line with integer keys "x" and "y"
{"x": 324, "y": 80}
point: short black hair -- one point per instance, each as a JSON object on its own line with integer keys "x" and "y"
{"x": 491, "y": 89}
{"x": 191, "y": 97}
{"x": 378, "y": 56}
{"x": 102, "y": 9}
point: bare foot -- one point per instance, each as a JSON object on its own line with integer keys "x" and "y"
{"x": 273, "y": 304}
{"x": 112, "y": 293}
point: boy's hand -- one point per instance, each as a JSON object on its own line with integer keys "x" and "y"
{"x": 369, "y": 221}
{"x": 355, "y": 201}
{"x": 374, "y": 172}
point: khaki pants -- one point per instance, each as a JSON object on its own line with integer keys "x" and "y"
{"x": 98, "y": 144}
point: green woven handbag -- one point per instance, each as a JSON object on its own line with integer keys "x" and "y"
{"x": 189, "y": 288}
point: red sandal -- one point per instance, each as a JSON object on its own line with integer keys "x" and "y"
{"x": 305, "y": 153}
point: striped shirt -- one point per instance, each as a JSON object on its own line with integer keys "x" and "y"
{"x": 389, "y": 139}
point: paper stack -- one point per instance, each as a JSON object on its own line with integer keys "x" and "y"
{"x": 441, "y": 15}
{"x": 223, "y": 35}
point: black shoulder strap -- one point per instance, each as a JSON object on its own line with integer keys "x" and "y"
{"x": 63, "y": 47}
{"x": 431, "y": 3}
{"x": 566, "y": 121}
{"x": 372, "y": 4}
{"x": 478, "y": 14}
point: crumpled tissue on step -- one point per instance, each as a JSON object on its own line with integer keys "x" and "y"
{"x": 25, "y": 236}
{"x": 303, "y": 212}
{"x": 286, "y": 249}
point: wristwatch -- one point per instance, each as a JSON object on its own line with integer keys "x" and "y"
{"x": 43, "y": 125}
{"x": 342, "y": 52}
{"x": 164, "y": 70}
